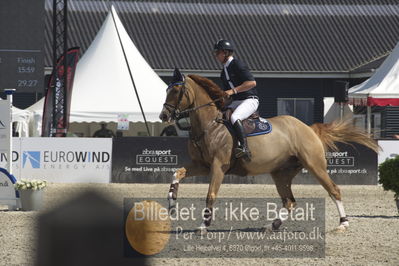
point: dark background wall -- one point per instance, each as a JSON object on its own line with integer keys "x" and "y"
{"x": 269, "y": 89}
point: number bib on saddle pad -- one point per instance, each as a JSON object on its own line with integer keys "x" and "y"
{"x": 257, "y": 126}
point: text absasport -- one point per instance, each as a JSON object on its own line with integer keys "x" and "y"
{"x": 336, "y": 153}
{"x": 156, "y": 152}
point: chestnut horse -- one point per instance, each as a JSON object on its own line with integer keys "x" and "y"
{"x": 291, "y": 146}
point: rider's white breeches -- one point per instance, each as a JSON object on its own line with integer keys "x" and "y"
{"x": 243, "y": 109}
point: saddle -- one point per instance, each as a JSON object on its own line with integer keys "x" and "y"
{"x": 254, "y": 125}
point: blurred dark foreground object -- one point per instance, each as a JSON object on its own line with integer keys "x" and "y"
{"x": 87, "y": 230}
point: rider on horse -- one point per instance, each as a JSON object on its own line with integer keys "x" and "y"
{"x": 239, "y": 83}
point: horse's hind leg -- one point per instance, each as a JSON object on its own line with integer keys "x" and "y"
{"x": 335, "y": 194}
{"x": 283, "y": 179}
{"x": 193, "y": 169}
{"x": 318, "y": 167}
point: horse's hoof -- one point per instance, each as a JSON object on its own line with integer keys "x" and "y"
{"x": 267, "y": 228}
{"x": 343, "y": 224}
{"x": 201, "y": 231}
{"x": 342, "y": 227}
{"x": 274, "y": 226}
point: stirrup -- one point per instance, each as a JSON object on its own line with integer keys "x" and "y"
{"x": 241, "y": 152}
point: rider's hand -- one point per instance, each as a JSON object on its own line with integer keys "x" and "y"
{"x": 227, "y": 100}
{"x": 230, "y": 92}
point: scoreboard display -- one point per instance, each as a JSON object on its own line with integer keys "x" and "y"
{"x": 21, "y": 45}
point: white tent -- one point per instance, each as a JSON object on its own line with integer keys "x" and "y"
{"x": 103, "y": 86}
{"x": 107, "y": 78}
{"x": 35, "y": 120}
{"x": 334, "y": 111}
{"x": 21, "y": 118}
{"x": 382, "y": 89}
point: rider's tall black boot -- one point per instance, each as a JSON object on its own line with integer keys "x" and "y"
{"x": 242, "y": 150}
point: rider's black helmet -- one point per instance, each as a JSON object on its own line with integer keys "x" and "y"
{"x": 224, "y": 45}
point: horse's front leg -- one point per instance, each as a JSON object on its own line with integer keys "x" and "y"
{"x": 193, "y": 169}
{"x": 217, "y": 174}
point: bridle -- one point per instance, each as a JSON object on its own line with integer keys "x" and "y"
{"x": 176, "y": 113}
{"x": 174, "y": 110}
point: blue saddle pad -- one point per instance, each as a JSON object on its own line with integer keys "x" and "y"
{"x": 255, "y": 127}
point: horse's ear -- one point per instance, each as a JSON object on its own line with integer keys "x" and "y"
{"x": 177, "y": 76}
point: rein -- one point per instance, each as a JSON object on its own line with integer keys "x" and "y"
{"x": 198, "y": 107}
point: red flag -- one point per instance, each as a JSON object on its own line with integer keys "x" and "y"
{"x": 58, "y": 98}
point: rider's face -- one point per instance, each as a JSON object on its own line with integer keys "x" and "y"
{"x": 220, "y": 56}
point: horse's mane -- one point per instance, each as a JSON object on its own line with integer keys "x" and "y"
{"x": 213, "y": 90}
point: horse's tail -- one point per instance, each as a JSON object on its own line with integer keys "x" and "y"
{"x": 345, "y": 132}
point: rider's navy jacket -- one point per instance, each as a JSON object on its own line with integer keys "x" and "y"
{"x": 238, "y": 73}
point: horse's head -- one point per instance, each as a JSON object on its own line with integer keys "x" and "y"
{"x": 177, "y": 98}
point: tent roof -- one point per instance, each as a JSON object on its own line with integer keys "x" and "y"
{"x": 37, "y": 106}
{"x": 103, "y": 86}
{"x": 382, "y": 88}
